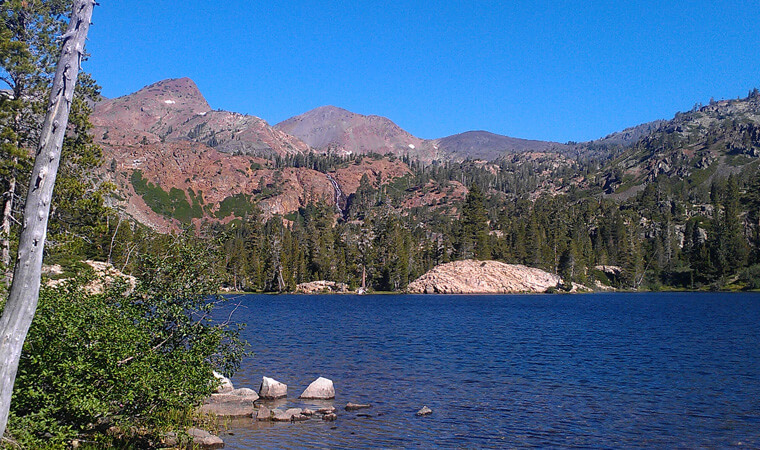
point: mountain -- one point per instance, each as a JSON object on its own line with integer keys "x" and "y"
{"x": 175, "y": 110}
{"x": 694, "y": 147}
{"x": 175, "y": 161}
{"x": 339, "y": 131}
{"x": 490, "y": 146}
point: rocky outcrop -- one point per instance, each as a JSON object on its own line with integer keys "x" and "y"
{"x": 322, "y": 287}
{"x": 105, "y": 276}
{"x": 272, "y": 389}
{"x": 320, "y": 389}
{"x": 483, "y": 277}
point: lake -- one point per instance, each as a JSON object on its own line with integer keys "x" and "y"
{"x": 599, "y": 370}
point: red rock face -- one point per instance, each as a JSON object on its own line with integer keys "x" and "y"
{"x": 175, "y": 110}
{"x": 214, "y": 176}
{"x": 336, "y": 130}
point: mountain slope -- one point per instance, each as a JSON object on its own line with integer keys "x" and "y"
{"x": 337, "y": 130}
{"x": 694, "y": 147}
{"x": 490, "y": 146}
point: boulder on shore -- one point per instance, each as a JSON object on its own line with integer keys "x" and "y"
{"x": 225, "y": 385}
{"x": 320, "y": 389}
{"x": 198, "y": 439}
{"x": 322, "y": 287}
{"x": 483, "y": 277}
{"x": 272, "y": 389}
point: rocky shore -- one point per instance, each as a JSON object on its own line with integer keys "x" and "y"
{"x": 269, "y": 404}
{"x": 483, "y": 277}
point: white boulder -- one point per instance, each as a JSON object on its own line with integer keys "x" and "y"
{"x": 320, "y": 389}
{"x": 225, "y": 385}
{"x": 272, "y": 389}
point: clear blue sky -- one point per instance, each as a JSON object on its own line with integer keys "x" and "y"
{"x": 552, "y": 70}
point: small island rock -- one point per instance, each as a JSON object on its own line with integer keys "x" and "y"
{"x": 272, "y": 389}
{"x": 320, "y": 389}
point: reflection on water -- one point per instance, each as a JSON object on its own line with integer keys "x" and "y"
{"x": 610, "y": 370}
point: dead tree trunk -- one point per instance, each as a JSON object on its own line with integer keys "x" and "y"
{"x": 24, "y": 293}
{"x": 6, "y": 228}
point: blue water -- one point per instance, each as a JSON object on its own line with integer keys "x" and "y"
{"x": 602, "y": 370}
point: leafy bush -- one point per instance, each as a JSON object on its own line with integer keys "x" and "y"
{"x": 123, "y": 360}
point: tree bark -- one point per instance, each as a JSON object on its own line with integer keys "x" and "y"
{"x": 24, "y": 293}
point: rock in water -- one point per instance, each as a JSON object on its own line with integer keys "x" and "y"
{"x": 272, "y": 389}
{"x": 320, "y": 389}
{"x": 291, "y": 415}
{"x": 482, "y": 277}
{"x": 236, "y": 403}
{"x": 198, "y": 439}
{"x": 263, "y": 414}
{"x": 424, "y": 411}
{"x": 354, "y": 406}
{"x": 204, "y": 439}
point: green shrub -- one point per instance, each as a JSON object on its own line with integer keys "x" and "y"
{"x": 125, "y": 359}
{"x": 751, "y": 276}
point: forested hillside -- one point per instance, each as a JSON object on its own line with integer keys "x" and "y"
{"x": 671, "y": 204}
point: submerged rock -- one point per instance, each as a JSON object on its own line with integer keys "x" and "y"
{"x": 483, "y": 277}
{"x": 326, "y": 410}
{"x": 319, "y": 389}
{"x": 290, "y": 415}
{"x": 354, "y": 406}
{"x": 272, "y": 389}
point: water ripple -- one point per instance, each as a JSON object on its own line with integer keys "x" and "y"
{"x": 632, "y": 370}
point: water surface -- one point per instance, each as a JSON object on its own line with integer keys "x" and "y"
{"x": 602, "y": 370}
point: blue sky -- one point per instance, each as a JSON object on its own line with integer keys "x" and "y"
{"x": 548, "y": 70}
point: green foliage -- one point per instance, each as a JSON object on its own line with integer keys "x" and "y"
{"x": 751, "y": 277}
{"x": 170, "y": 204}
{"x": 124, "y": 359}
{"x": 238, "y": 205}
